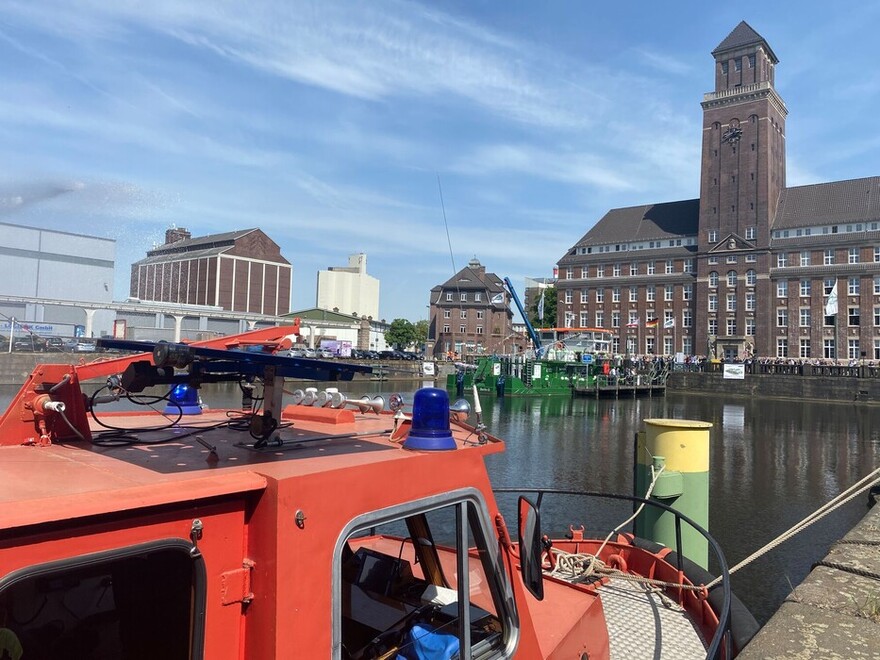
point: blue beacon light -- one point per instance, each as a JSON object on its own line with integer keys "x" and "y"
{"x": 187, "y": 398}
{"x": 430, "y": 421}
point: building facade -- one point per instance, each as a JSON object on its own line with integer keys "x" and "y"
{"x": 239, "y": 271}
{"x": 752, "y": 267}
{"x": 349, "y": 288}
{"x": 470, "y": 315}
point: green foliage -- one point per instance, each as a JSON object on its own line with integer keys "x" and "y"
{"x": 549, "y": 310}
{"x": 421, "y": 328}
{"x": 400, "y": 334}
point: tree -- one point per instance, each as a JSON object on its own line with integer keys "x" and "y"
{"x": 549, "y": 309}
{"x": 421, "y": 328}
{"x": 400, "y": 334}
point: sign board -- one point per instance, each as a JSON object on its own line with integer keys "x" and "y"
{"x": 536, "y": 372}
{"x": 736, "y": 371}
{"x": 586, "y": 358}
{"x": 496, "y": 368}
{"x": 428, "y": 369}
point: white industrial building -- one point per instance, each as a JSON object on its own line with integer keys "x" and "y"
{"x": 348, "y": 289}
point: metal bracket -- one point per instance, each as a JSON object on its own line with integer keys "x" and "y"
{"x": 235, "y": 585}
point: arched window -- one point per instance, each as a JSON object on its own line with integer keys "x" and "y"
{"x": 713, "y": 278}
{"x": 731, "y": 278}
{"x": 751, "y": 277}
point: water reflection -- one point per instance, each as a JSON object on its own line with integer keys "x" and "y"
{"x": 772, "y": 463}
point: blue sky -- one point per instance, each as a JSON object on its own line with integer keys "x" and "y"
{"x": 328, "y": 124}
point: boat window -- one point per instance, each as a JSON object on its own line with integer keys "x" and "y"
{"x": 138, "y": 603}
{"x": 428, "y": 579}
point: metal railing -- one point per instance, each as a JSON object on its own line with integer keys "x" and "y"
{"x": 720, "y": 645}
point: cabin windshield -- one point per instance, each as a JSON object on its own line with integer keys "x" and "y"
{"x": 139, "y": 606}
{"x": 424, "y": 580}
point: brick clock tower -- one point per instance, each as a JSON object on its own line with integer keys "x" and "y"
{"x": 742, "y": 176}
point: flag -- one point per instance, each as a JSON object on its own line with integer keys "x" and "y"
{"x": 633, "y": 324}
{"x": 831, "y": 303}
{"x": 541, "y": 307}
{"x": 498, "y": 299}
{"x": 669, "y": 323}
{"x": 652, "y": 323}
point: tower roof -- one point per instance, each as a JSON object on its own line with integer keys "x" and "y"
{"x": 744, "y": 35}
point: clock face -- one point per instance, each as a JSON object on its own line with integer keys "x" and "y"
{"x": 732, "y": 135}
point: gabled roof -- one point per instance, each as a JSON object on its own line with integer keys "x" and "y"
{"x": 224, "y": 240}
{"x": 473, "y": 278}
{"x": 855, "y": 200}
{"x": 743, "y": 35}
{"x": 648, "y": 222}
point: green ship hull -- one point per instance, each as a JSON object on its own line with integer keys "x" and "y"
{"x": 521, "y": 376}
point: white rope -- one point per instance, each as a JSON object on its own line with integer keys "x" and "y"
{"x": 850, "y": 493}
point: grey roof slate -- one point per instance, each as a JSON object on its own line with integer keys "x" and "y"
{"x": 226, "y": 239}
{"x": 647, "y": 222}
{"x": 854, "y": 200}
{"x": 165, "y": 256}
{"x": 744, "y": 35}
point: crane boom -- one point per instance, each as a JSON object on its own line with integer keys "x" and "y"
{"x": 532, "y": 334}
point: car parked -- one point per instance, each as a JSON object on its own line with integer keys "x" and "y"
{"x": 325, "y": 354}
{"x": 29, "y": 343}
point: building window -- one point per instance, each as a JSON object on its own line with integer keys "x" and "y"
{"x": 615, "y": 270}
{"x": 877, "y": 349}
{"x": 633, "y": 269}
{"x": 478, "y": 297}
{"x": 805, "y": 288}
{"x": 713, "y": 279}
{"x": 731, "y": 278}
{"x": 670, "y": 265}
{"x": 750, "y": 327}
{"x": 781, "y": 317}
{"x": 584, "y": 296}
{"x": 876, "y": 253}
{"x": 737, "y": 64}
{"x": 569, "y": 273}
{"x": 462, "y": 329}
{"x": 713, "y": 235}
{"x": 600, "y": 270}
{"x": 731, "y": 327}
{"x": 615, "y": 294}
{"x": 853, "y": 317}
{"x": 828, "y": 258}
{"x": 805, "y": 348}
{"x": 782, "y": 260}
{"x": 464, "y": 297}
{"x": 667, "y": 346}
{"x": 805, "y": 258}
{"x": 633, "y": 319}
{"x": 750, "y": 301}
{"x": 600, "y": 295}
{"x": 806, "y": 317}
{"x": 877, "y": 285}
{"x": 782, "y": 289}
{"x": 649, "y": 345}
{"x": 731, "y": 302}
{"x": 615, "y": 319}
{"x": 713, "y": 302}
{"x": 781, "y": 347}
{"x": 877, "y": 317}
{"x": 448, "y": 296}
{"x": 446, "y": 329}
{"x": 853, "y": 255}
{"x": 750, "y": 233}
{"x": 569, "y": 297}
{"x": 650, "y": 268}
{"x": 668, "y": 291}
{"x": 687, "y": 318}
{"x": 600, "y": 319}
{"x": 713, "y": 327}
{"x": 650, "y": 293}
{"x": 828, "y": 286}
{"x": 724, "y": 68}
{"x": 852, "y": 349}
{"x": 585, "y": 273}
{"x": 852, "y": 286}
{"x": 731, "y": 259}
{"x": 688, "y": 266}
{"x": 463, "y": 314}
{"x": 633, "y": 294}
{"x": 712, "y": 261}
{"x": 479, "y": 329}
{"x": 447, "y": 314}
{"x": 750, "y": 258}
{"x": 829, "y": 351}
{"x": 584, "y": 319}
{"x": 751, "y": 277}
{"x": 480, "y": 314}
{"x": 687, "y": 291}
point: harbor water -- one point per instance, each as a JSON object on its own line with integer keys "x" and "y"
{"x": 772, "y": 463}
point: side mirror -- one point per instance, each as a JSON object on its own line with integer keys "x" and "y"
{"x": 530, "y": 547}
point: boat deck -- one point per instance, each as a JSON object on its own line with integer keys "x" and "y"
{"x": 642, "y": 624}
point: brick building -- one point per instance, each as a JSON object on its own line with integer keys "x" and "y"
{"x": 470, "y": 314}
{"x": 239, "y": 271}
{"x": 751, "y": 266}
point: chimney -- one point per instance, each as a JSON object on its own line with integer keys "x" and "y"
{"x": 175, "y": 234}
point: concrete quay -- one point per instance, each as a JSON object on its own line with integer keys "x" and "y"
{"x": 835, "y": 611}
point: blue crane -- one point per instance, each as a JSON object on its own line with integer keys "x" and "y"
{"x": 539, "y": 350}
